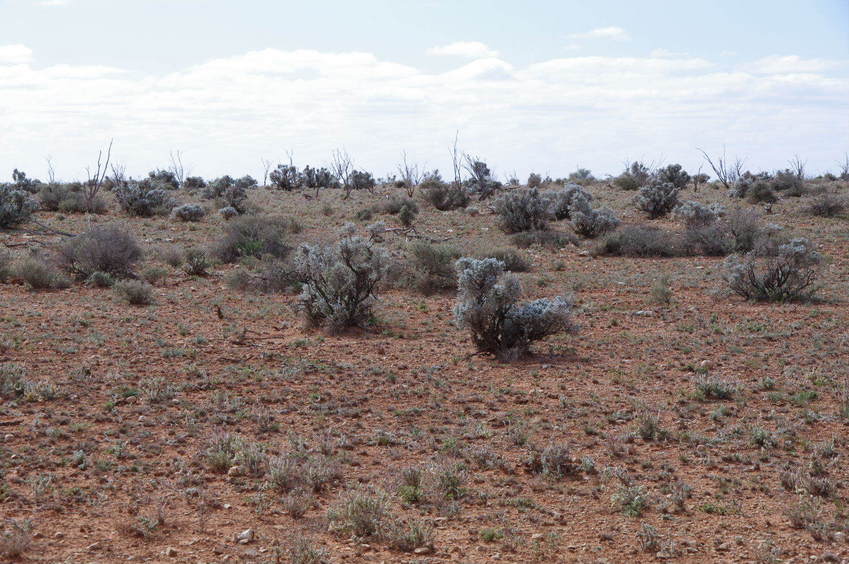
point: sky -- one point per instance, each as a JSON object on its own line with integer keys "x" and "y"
{"x": 545, "y": 86}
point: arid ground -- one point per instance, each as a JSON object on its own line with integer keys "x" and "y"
{"x": 146, "y": 433}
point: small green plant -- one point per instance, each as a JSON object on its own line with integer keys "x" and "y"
{"x": 134, "y": 292}
{"x": 712, "y": 388}
{"x": 197, "y": 262}
{"x": 632, "y": 500}
{"x": 661, "y": 291}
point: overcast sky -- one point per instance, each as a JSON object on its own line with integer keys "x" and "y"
{"x": 531, "y": 85}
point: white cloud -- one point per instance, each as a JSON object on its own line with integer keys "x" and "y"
{"x": 611, "y": 32}
{"x": 666, "y": 53}
{"x": 226, "y": 113}
{"x": 789, "y": 64}
{"x": 466, "y": 49}
{"x": 52, "y": 3}
{"x": 15, "y": 54}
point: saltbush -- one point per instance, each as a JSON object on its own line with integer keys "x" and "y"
{"x": 523, "y": 210}
{"x": 636, "y": 175}
{"x": 568, "y": 200}
{"x": 487, "y": 305}
{"x": 443, "y": 196}
{"x": 143, "y": 199}
{"x": 513, "y": 261}
{"x": 340, "y": 281}
{"x": 38, "y": 274}
{"x": 69, "y": 198}
{"x": 105, "y": 248}
{"x": 286, "y": 177}
{"x": 189, "y": 212}
{"x": 432, "y": 266}
{"x": 591, "y": 223}
{"x": 657, "y": 199}
{"x": 789, "y": 275}
{"x": 164, "y": 179}
{"x": 255, "y": 236}
{"x": 134, "y": 292}
{"x": 16, "y": 206}
{"x": 673, "y": 174}
{"x": 197, "y": 262}
{"x": 193, "y": 183}
{"x": 827, "y": 205}
{"x": 696, "y": 214}
{"x": 640, "y": 241}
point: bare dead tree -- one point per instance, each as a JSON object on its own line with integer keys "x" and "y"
{"x": 95, "y": 180}
{"x": 844, "y": 167}
{"x": 266, "y": 168}
{"x": 410, "y": 174}
{"x": 797, "y": 165}
{"x": 119, "y": 174}
{"x": 51, "y": 170}
{"x": 177, "y": 167}
{"x": 457, "y": 160}
{"x": 737, "y": 169}
{"x": 481, "y": 175}
{"x": 341, "y": 166}
{"x": 291, "y": 154}
{"x": 727, "y": 173}
{"x": 697, "y": 179}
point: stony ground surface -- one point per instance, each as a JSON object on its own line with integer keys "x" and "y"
{"x": 112, "y": 455}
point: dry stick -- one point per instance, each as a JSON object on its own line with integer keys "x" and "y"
{"x": 26, "y": 244}
{"x": 50, "y": 229}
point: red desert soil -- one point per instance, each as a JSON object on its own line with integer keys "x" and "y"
{"x": 111, "y": 458}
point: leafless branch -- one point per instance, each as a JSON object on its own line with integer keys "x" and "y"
{"x": 410, "y": 174}
{"x": 51, "y": 170}
{"x": 177, "y": 167}
{"x": 266, "y": 167}
{"x": 341, "y": 166}
{"x": 797, "y": 165}
{"x": 457, "y": 160}
{"x": 726, "y": 172}
{"x": 95, "y": 180}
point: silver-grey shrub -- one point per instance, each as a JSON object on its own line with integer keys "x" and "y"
{"x": 523, "y": 210}
{"x": 657, "y": 199}
{"x": 105, "y": 248}
{"x": 340, "y": 281}
{"x": 568, "y": 200}
{"x": 189, "y": 212}
{"x": 487, "y": 305}
{"x": 143, "y": 199}
{"x": 591, "y": 223}
{"x": 16, "y": 206}
{"x": 789, "y": 275}
{"x": 696, "y": 214}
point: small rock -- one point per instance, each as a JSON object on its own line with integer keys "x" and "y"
{"x": 422, "y": 550}
{"x": 245, "y": 536}
{"x": 234, "y": 471}
{"x": 170, "y": 551}
{"x": 93, "y": 546}
{"x": 644, "y": 313}
{"x": 58, "y": 535}
{"x": 536, "y": 536}
{"x": 8, "y": 437}
{"x": 839, "y": 537}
